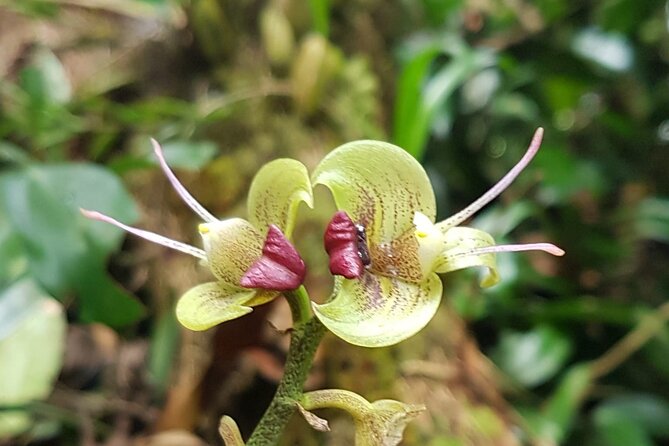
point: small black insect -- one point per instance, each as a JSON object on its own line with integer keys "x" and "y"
{"x": 363, "y": 250}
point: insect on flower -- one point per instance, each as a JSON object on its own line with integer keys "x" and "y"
{"x": 390, "y": 289}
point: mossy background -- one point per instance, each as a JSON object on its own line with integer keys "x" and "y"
{"x": 568, "y": 350}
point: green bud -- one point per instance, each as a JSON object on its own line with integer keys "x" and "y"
{"x": 316, "y": 65}
{"x": 277, "y": 36}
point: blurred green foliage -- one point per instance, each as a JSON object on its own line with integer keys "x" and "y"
{"x": 461, "y": 85}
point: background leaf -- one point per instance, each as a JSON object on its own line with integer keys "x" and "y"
{"x": 31, "y": 349}
{"x": 533, "y": 357}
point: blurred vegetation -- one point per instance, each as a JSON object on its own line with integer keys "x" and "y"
{"x": 564, "y": 351}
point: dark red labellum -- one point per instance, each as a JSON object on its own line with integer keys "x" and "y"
{"x": 342, "y": 241}
{"x": 280, "y": 268}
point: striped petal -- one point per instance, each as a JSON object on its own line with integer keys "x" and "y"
{"x": 381, "y": 187}
{"x": 376, "y": 311}
{"x": 232, "y": 246}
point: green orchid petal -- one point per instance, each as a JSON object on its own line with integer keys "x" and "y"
{"x": 381, "y": 186}
{"x": 276, "y": 192}
{"x": 376, "y": 311}
{"x": 460, "y": 244}
{"x": 231, "y": 246}
{"x": 262, "y": 297}
{"x": 209, "y": 304}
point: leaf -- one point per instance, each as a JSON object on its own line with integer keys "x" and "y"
{"x": 11, "y": 153}
{"x": 12, "y": 253}
{"x": 45, "y": 79}
{"x": 646, "y": 411}
{"x": 31, "y": 349}
{"x": 408, "y": 93}
{"x": 66, "y": 252}
{"x": 532, "y": 358}
{"x": 565, "y": 175}
{"x": 562, "y": 407}
{"x": 617, "y": 429}
{"x": 320, "y": 16}
{"x": 652, "y": 219}
{"x": 610, "y": 50}
{"x": 165, "y": 338}
{"x": 420, "y": 98}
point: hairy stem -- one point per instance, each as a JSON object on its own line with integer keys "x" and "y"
{"x": 305, "y": 337}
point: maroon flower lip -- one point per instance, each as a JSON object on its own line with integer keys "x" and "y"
{"x": 280, "y": 268}
{"x": 346, "y": 244}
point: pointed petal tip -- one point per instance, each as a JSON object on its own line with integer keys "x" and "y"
{"x": 88, "y": 214}
{"x": 537, "y": 138}
{"x": 98, "y": 216}
{"x": 556, "y": 251}
{"x": 545, "y": 247}
{"x": 157, "y": 148}
{"x": 500, "y": 186}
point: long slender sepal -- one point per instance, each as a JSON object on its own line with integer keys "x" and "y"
{"x": 181, "y": 190}
{"x": 498, "y": 188}
{"x": 546, "y": 247}
{"x": 147, "y": 235}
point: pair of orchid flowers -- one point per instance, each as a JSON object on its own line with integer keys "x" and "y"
{"x": 385, "y": 249}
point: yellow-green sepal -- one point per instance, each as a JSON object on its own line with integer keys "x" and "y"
{"x": 378, "y": 185}
{"x": 231, "y": 246}
{"x": 377, "y": 311}
{"x": 276, "y": 193}
{"x": 211, "y": 303}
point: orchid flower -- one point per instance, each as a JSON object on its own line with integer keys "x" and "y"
{"x": 252, "y": 260}
{"x": 380, "y": 423}
{"x": 386, "y": 248}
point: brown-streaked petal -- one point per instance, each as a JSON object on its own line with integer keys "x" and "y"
{"x": 232, "y": 246}
{"x": 376, "y": 311}
{"x": 379, "y": 185}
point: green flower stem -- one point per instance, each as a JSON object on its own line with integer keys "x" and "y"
{"x": 305, "y": 337}
{"x": 300, "y": 305}
{"x": 336, "y": 399}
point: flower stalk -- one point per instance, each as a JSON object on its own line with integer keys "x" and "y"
{"x": 304, "y": 340}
